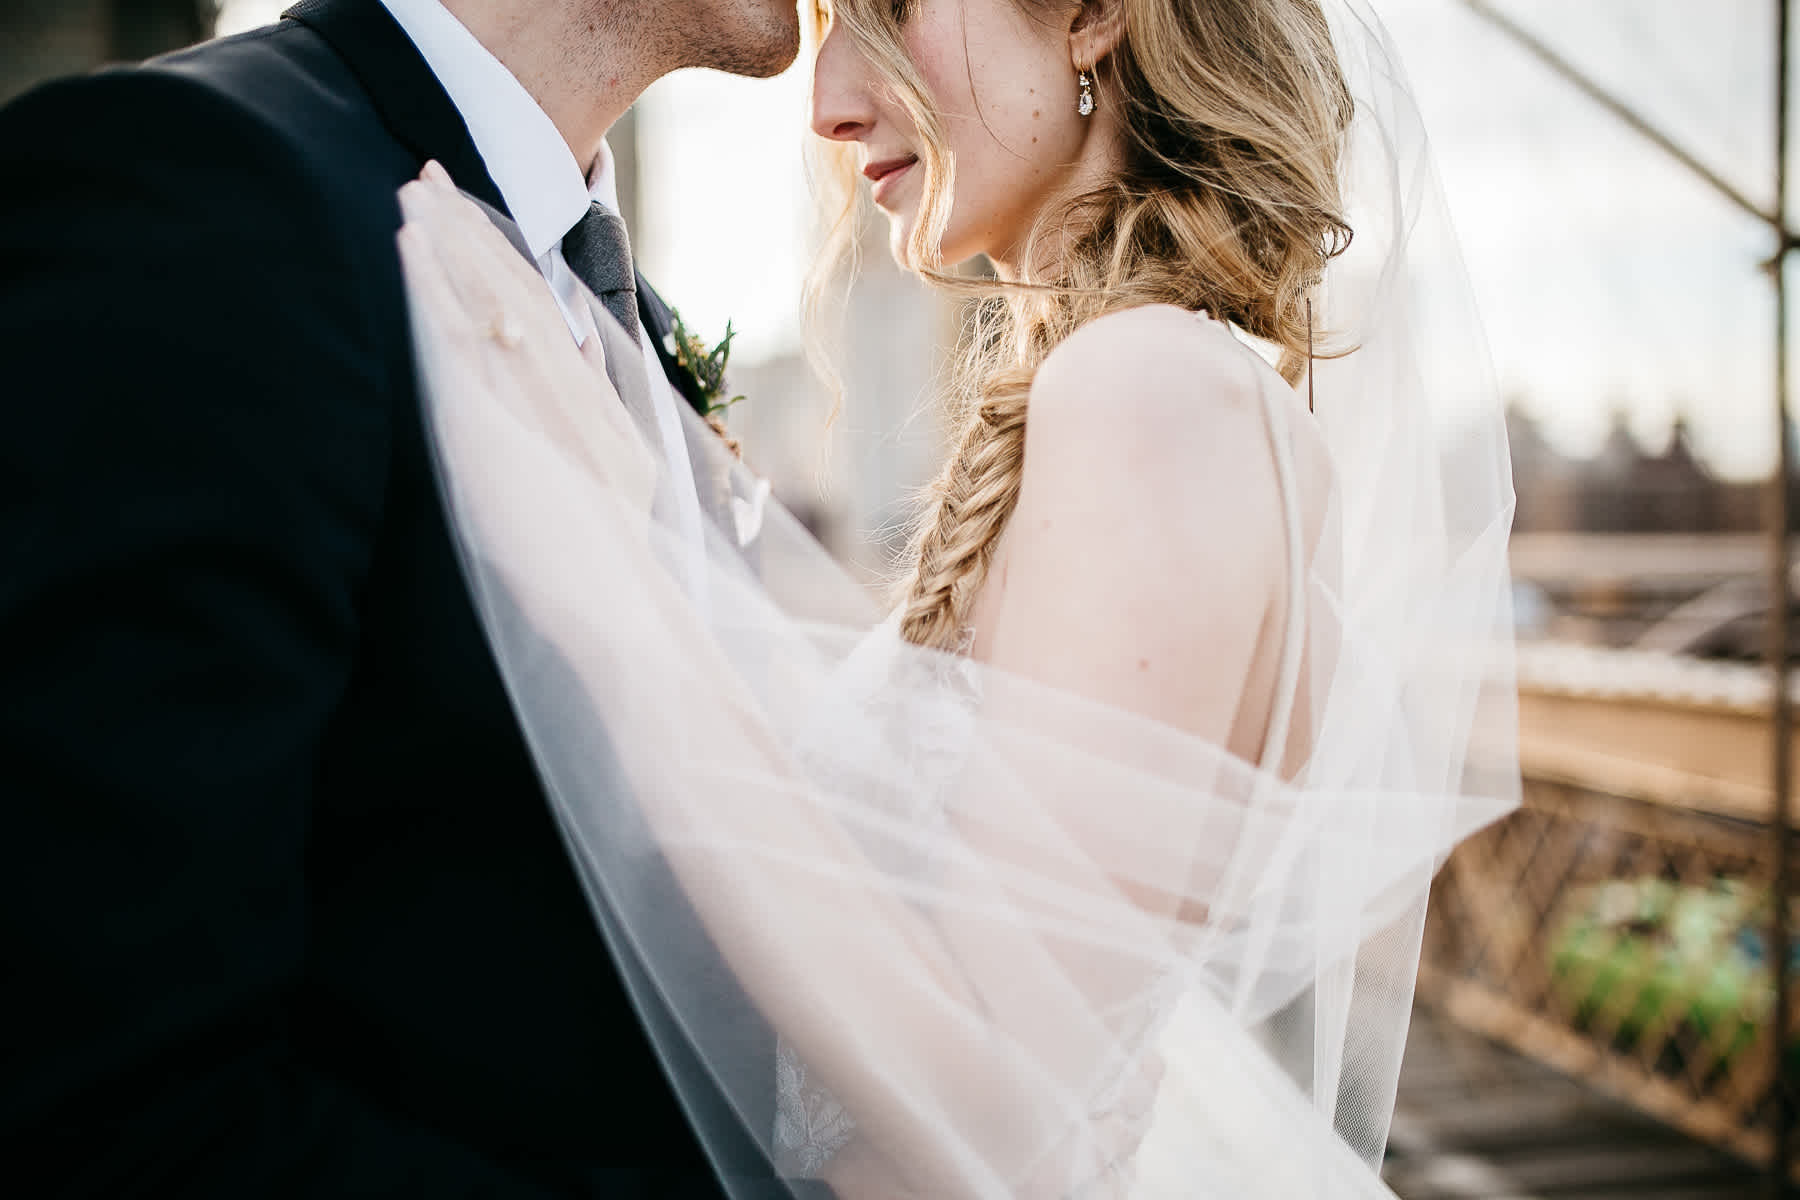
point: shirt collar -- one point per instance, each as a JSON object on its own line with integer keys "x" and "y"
{"x": 603, "y": 184}
{"x": 530, "y": 163}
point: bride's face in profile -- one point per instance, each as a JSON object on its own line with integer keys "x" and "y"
{"x": 1003, "y": 82}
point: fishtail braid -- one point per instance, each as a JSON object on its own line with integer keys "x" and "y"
{"x": 973, "y": 498}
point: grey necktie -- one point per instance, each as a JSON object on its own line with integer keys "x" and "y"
{"x": 599, "y": 252}
{"x": 624, "y": 360}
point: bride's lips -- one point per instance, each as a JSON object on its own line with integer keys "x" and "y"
{"x": 886, "y": 174}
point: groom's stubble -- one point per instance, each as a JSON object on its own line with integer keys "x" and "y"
{"x": 753, "y": 38}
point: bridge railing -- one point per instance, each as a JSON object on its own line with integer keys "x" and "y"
{"x": 1615, "y": 927}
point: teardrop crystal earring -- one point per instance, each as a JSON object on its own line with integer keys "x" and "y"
{"x": 1086, "y": 105}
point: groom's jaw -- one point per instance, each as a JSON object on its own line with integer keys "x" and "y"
{"x": 757, "y": 39}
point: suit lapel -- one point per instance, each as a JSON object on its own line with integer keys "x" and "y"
{"x": 415, "y": 107}
{"x": 711, "y": 471}
{"x": 659, "y": 322}
{"x": 712, "y": 466}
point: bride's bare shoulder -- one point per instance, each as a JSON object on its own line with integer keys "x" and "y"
{"x": 1147, "y": 484}
{"x": 1153, "y": 383}
{"x": 1152, "y": 364}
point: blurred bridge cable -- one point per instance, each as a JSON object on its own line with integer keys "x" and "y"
{"x": 1778, "y": 516}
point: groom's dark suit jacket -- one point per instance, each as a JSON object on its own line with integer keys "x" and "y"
{"x": 284, "y": 909}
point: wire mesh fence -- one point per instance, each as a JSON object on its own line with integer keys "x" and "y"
{"x": 1617, "y": 929}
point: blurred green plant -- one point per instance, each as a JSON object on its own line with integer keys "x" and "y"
{"x": 1644, "y": 958}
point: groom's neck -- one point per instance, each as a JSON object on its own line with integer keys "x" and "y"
{"x": 584, "y": 61}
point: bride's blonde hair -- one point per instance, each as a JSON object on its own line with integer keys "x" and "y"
{"x": 1232, "y": 114}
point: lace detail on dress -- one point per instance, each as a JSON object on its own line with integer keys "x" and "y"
{"x": 810, "y": 1125}
{"x": 893, "y": 733}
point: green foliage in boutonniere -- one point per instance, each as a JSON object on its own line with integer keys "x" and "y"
{"x": 706, "y": 367}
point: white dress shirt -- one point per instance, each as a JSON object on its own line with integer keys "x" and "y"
{"x": 545, "y": 191}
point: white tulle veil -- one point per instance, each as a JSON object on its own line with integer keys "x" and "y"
{"x": 901, "y": 922}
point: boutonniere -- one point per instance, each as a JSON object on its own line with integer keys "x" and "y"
{"x": 705, "y": 367}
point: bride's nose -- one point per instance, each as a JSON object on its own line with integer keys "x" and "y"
{"x": 841, "y": 109}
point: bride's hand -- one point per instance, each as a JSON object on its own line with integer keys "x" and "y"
{"x": 499, "y": 328}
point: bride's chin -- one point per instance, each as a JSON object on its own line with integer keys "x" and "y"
{"x": 900, "y": 234}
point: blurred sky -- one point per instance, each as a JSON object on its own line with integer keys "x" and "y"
{"x": 1609, "y": 279}
{"x": 1607, "y": 276}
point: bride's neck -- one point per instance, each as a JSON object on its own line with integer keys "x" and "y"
{"x": 1046, "y": 255}
{"x": 1041, "y": 258}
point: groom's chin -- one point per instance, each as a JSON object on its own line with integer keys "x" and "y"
{"x": 767, "y": 43}
{"x": 778, "y": 60}
{"x": 785, "y": 45}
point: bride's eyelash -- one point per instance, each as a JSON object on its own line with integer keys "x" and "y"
{"x": 903, "y": 10}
